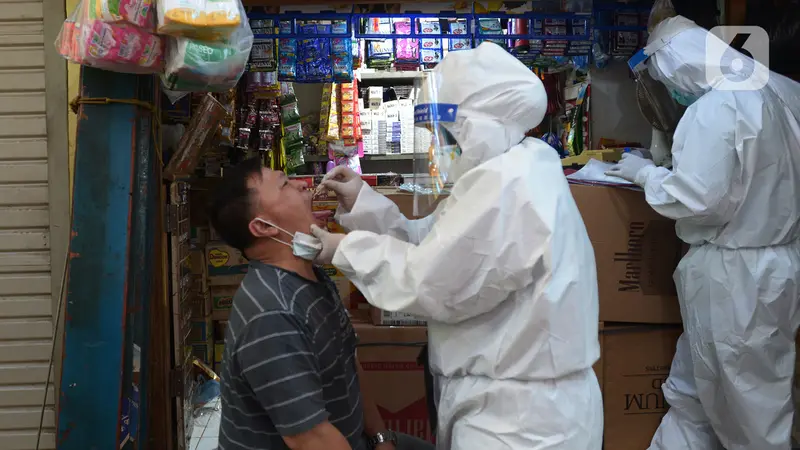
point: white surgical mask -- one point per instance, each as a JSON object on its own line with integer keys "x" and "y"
{"x": 303, "y": 245}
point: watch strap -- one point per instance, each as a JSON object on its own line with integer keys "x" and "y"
{"x": 383, "y": 437}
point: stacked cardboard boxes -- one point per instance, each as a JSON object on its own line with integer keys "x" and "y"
{"x": 636, "y": 251}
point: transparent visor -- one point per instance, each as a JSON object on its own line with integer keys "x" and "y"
{"x": 656, "y": 103}
{"x": 435, "y": 149}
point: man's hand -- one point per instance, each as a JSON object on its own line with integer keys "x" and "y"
{"x": 330, "y": 242}
{"x": 385, "y": 446}
{"x": 346, "y": 183}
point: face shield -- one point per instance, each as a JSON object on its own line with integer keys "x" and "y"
{"x": 655, "y": 102}
{"x": 436, "y": 151}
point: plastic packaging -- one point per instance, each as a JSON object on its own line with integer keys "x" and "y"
{"x": 118, "y": 47}
{"x": 314, "y": 56}
{"x": 137, "y": 12}
{"x": 210, "y": 20}
{"x": 342, "y": 59}
{"x": 194, "y": 65}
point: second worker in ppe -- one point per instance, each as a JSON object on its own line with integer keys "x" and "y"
{"x": 734, "y": 191}
{"x": 503, "y": 270}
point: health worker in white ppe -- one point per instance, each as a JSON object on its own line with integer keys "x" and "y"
{"x": 734, "y": 191}
{"x": 503, "y": 269}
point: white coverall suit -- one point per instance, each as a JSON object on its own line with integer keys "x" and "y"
{"x": 735, "y": 193}
{"x": 503, "y": 270}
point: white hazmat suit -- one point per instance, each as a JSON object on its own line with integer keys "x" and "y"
{"x": 503, "y": 270}
{"x": 734, "y": 191}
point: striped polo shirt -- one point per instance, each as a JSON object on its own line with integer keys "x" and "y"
{"x": 289, "y": 362}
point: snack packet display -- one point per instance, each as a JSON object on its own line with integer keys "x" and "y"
{"x": 137, "y": 12}
{"x": 210, "y": 20}
{"x": 491, "y": 26}
{"x": 314, "y": 55}
{"x": 431, "y": 52}
{"x": 194, "y": 65}
{"x": 458, "y": 28}
{"x": 118, "y": 47}
{"x": 342, "y": 59}
{"x": 199, "y": 134}
{"x": 406, "y": 50}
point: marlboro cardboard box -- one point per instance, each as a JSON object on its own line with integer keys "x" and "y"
{"x": 394, "y": 377}
{"x": 636, "y": 251}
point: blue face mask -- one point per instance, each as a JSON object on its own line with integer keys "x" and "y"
{"x": 681, "y": 98}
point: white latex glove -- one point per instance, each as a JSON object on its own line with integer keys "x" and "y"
{"x": 630, "y": 168}
{"x": 330, "y": 242}
{"x": 345, "y": 182}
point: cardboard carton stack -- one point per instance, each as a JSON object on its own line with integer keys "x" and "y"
{"x": 636, "y": 251}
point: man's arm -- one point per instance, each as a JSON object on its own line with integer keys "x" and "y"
{"x": 276, "y": 358}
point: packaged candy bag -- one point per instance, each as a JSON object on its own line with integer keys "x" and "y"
{"x": 194, "y": 65}
{"x": 210, "y": 20}
{"x": 137, "y": 12}
{"x": 114, "y": 46}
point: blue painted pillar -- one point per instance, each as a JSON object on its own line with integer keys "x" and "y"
{"x": 108, "y": 284}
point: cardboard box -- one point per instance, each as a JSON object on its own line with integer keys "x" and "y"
{"x": 636, "y": 362}
{"x": 222, "y": 301}
{"x": 384, "y": 318}
{"x": 201, "y": 330}
{"x": 636, "y": 251}
{"x": 226, "y": 265}
{"x": 393, "y": 376}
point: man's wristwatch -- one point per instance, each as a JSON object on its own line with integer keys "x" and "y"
{"x": 383, "y": 437}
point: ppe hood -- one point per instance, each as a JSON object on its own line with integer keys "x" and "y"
{"x": 683, "y": 55}
{"x": 498, "y": 99}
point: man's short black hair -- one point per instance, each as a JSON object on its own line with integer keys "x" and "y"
{"x": 230, "y": 208}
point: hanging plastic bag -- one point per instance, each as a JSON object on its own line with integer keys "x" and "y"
{"x": 114, "y": 46}
{"x": 210, "y": 20}
{"x": 137, "y": 12}
{"x": 194, "y": 65}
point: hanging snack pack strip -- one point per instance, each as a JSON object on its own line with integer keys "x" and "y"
{"x": 348, "y": 114}
{"x": 198, "y": 136}
{"x": 342, "y": 59}
{"x": 406, "y": 50}
{"x": 292, "y": 140}
{"x": 118, "y": 47}
{"x": 324, "y": 117}
{"x": 333, "y": 132}
{"x": 431, "y": 52}
{"x": 314, "y": 55}
{"x": 210, "y": 20}
{"x": 287, "y": 54}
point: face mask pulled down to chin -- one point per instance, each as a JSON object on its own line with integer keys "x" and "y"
{"x": 303, "y": 245}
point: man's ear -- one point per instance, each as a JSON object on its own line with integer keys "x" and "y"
{"x": 260, "y": 229}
